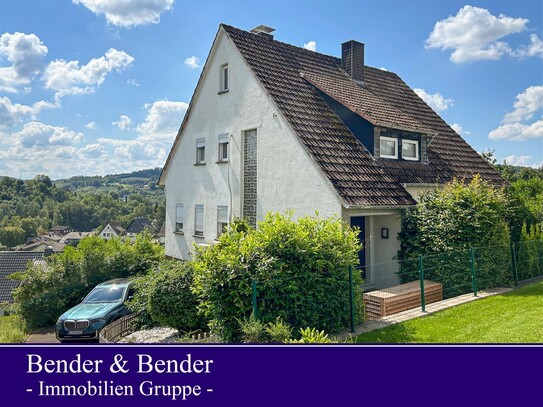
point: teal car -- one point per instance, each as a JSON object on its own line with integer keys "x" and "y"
{"x": 103, "y": 305}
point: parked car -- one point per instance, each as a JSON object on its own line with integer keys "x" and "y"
{"x": 103, "y": 305}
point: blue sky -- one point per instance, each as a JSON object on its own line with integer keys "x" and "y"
{"x": 93, "y": 87}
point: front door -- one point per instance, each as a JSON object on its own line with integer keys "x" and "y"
{"x": 360, "y": 222}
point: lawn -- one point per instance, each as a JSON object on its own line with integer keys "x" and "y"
{"x": 514, "y": 317}
{"x": 11, "y": 330}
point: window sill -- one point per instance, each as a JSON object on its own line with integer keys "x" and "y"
{"x": 199, "y": 164}
{"x": 179, "y": 232}
{"x": 198, "y": 236}
{"x": 222, "y": 91}
{"x": 221, "y": 162}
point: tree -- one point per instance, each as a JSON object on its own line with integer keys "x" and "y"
{"x": 454, "y": 219}
{"x": 12, "y": 236}
{"x": 45, "y": 292}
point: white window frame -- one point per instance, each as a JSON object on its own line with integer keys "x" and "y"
{"x": 222, "y": 218}
{"x": 179, "y": 216}
{"x": 200, "y": 146}
{"x": 199, "y": 220}
{"x": 224, "y": 79}
{"x": 223, "y": 139}
{"x": 414, "y": 142}
{"x": 393, "y": 139}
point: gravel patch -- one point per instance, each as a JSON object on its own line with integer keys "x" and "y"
{"x": 154, "y": 335}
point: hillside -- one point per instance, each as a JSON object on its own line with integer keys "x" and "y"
{"x": 143, "y": 182}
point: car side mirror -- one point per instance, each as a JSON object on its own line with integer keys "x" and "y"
{"x": 130, "y": 297}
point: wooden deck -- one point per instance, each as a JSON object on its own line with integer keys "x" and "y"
{"x": 399, "y": 298}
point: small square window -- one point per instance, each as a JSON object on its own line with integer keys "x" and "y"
{"x": 179, "y": 217}
{"x": 223, "y": 148}
{"x": 222, "y": 219}
{"x": 224, "y": 78}
{"x": 198, "y": 220}
{"x": 389, "y": 147}
{"x": 200, "y": 151}
{"x": 410, "y": 150}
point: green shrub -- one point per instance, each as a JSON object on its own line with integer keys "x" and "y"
{"x": 12, "y": 329}
{"x": 171, "y": 301}
{"x": 312, "y": 335}
{"x": 46, "y": 291}
{"x": 445, "y": 224}
{"x": 300, "y": 268}
{"x": 278, "y": 331}
{"x": 253, "y": 330}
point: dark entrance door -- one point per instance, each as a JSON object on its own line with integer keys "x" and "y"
{"x": 360, "y": 222}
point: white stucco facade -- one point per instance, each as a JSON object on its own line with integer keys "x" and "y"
{"x": 287, "y": 178}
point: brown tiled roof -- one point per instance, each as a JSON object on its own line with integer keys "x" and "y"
{"x": 12, "y": 262}
{"x": 290, "y": 75}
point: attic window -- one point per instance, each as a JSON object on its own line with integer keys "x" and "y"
{"x": 410, "y": 150}
{"x": 389, "y": 147}
{"x": 223, "y": 148}
{"x": 224, "y": 78}
{"x": 179, "y": 217}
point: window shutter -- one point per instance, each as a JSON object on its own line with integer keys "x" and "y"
{"x": 179, "y": 213}
{"x": 222, "y": 214}
{"x": 199, "y": 218}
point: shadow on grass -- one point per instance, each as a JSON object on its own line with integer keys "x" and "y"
{"x": 389, "y": 333}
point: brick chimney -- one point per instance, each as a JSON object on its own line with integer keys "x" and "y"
{"x": 352, "y": 59}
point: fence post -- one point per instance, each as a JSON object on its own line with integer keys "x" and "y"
{"x": 255, "y": 307}
{"x": 473, "y": 275}
{"x": 514, "y": 263}
{"x": 351, "y": 293}
{"x": 421, "y": 274}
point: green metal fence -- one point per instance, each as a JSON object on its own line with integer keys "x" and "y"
{"x": 458, "y": 272}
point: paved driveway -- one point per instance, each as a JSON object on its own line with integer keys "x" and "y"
{"x": 42, "y": 335}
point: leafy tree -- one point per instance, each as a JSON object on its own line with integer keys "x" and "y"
{"x": 12, "y": 236}
{"x": 45, "y": 292}
{"x": 300, "y": 268}
{"x": 450, "y": 221}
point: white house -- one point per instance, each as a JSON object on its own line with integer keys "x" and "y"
{"x": 274, "y": 127}
{"x": 111, "y": 230}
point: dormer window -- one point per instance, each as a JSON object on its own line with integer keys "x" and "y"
{"x": 224, "y": 78}
{"x": 389, "y": 147}
{"x": 410, "y": 150}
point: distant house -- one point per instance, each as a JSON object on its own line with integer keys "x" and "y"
{"x": 111, "y": 230}
{"x": 73, "y": 238}
{"x": 61, "y": 230}
{"x": 13, "y": 262}
{"x": 137, "y": 226}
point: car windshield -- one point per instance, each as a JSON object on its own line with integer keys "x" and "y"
{"x": 106, "y": 294}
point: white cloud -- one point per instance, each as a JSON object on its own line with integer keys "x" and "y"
{"x": 523, "y": 160}
{"x": 436, "y": 101}
{"x": 69, "y": 78}
{"x": 192, "y": 62}
{"x": 36, "y": 134}
{"x": 25, "y": 53}
{"x": 93, "y": 151}
{"x": 133, "y": 82}
{"x": 534, "y": 49}
{"x": 124, "y": 122}
{"x": 163, "y": 120}
{"x": 13, "y": 113}
{"x": 516, "y": 124}
{"x": 473, "y": 34}
{"x": 90, "y": 125}
{"x": 128, "y": 13}
{"x": 311, "y": 46}
{"x": 459, "y": 129}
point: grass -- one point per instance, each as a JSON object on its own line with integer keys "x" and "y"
{"x": 514, "y": 317}
{"x": 11, "y": 330}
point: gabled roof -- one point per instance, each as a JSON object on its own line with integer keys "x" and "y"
{"x": 291, "y": 76}
{"x": 13, "y": 262}
{"x": 295, "y": 79}
{"x": 138, "y": 225}
{"x": 116, "y": 226}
